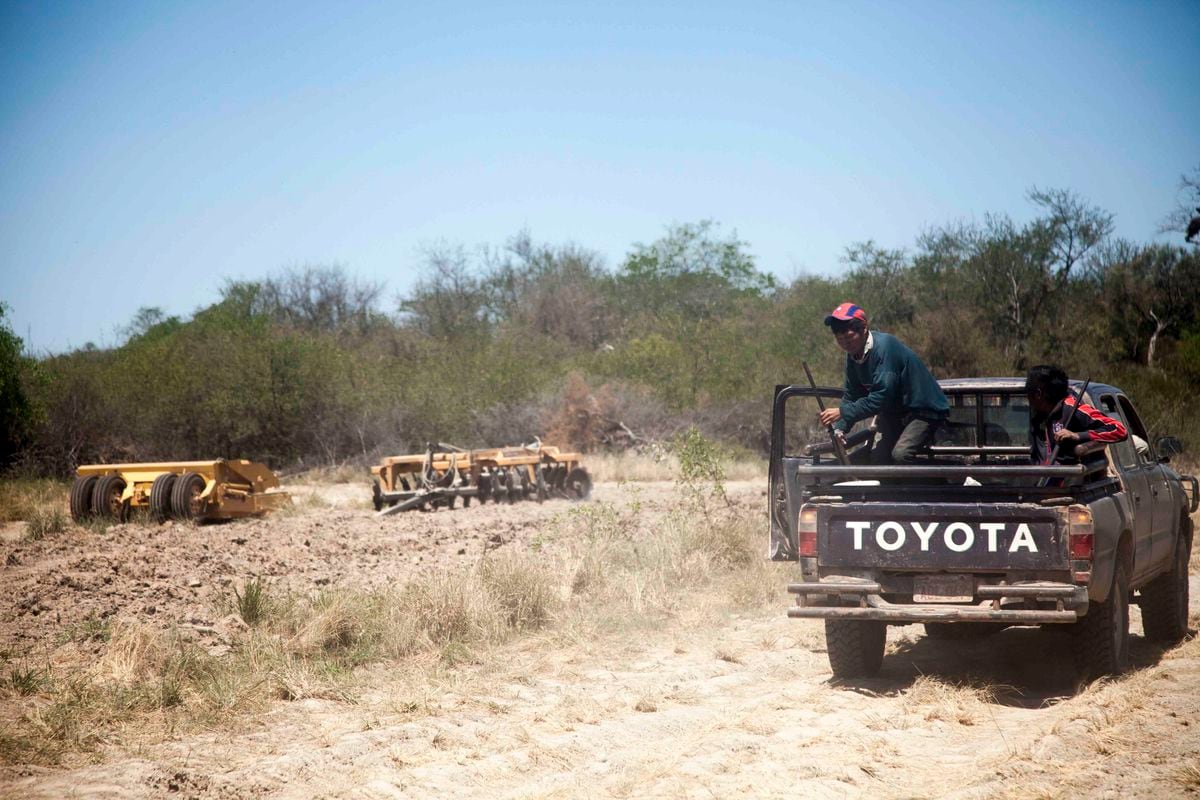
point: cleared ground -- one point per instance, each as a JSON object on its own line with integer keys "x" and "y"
{"x": 653, "y": 660}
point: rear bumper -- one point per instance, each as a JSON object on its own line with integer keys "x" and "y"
{"x": 843, "y": 598}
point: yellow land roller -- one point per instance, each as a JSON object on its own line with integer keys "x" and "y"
{"x": 187, "y": 490}
{"x": 444, "y": 473}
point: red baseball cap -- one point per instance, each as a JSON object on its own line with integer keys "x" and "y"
{"x": 846, "y": 312}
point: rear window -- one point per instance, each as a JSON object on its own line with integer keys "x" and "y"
{"x": 1004, "y": 417}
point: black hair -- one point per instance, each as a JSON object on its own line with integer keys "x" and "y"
{"x": 1047, "y": 380}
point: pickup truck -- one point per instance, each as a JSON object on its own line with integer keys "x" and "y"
{"x": 974, "y": 537}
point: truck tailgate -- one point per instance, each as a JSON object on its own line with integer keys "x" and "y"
{"x": 949, "y": 536}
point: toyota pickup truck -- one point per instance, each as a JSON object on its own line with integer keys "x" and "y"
{"x": 974, "y": 537}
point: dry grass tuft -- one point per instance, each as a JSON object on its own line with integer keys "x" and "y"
{"x": 45, "y": 520}
{"x": 646, "y": 704}
{"x": 1187, "y": 777}
{"x": 525, "y": 590}
{"x": 727, "y": 654}
{"x": 936, "y": 699}
{"x": 134, "y": 652}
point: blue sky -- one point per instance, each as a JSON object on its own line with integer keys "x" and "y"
{"x": 150, "y": 151}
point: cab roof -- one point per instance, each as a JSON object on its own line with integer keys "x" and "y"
{"x": 966, "y": 385}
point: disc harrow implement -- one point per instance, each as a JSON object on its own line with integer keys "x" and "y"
{"x": 186, "y": 490}
{"x": 443, "y": 474}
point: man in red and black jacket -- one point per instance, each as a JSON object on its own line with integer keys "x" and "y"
{"x": 1080, "y": 437}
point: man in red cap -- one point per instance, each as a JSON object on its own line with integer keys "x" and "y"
{"x": 885, "y": 380}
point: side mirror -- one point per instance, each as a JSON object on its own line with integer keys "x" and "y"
{"x": 1167, "y": 446}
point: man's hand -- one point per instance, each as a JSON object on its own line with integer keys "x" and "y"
{"x": 830, "y": 416}
{"x": 1065, "y": 435}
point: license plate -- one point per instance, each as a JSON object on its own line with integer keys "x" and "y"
{"x": 943, "y": 589}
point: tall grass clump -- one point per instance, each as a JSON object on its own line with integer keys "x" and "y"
{"x": 526, "y": 592}
{"x": 45, "y": 520}
{"x": 251, "y": 602}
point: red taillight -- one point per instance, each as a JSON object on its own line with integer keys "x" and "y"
{"x": 1082, "y": 532}
{"x": 1081, "y": 546}
{"x": 806, "y": 532}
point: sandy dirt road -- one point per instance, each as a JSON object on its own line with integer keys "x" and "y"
{"x": 711, "y": 704}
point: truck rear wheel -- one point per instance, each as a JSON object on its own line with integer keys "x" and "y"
{"x": 106, "y": 499}
{"x": 160, "y": 497}
{"x": 81, "y": 498}
{"x": 185, "y": 496}
{"x": 1165, "y": 600}
{"x": 855, "y": 647}
{"x": 1100, "y": 641}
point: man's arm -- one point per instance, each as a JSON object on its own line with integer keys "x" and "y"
{"x": 885, "y": 384}
{"x": 1087, "y": 424}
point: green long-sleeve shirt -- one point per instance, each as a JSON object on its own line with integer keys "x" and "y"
{"x": 892, "y": 381}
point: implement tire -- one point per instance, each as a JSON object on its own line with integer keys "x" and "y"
{"x": 160, "y": 497}
{"x": 1100, "y": 641}
{"x": 1165, "y": 599}
{"x": 81, "y": 498}
{"x": 579, "y": 484}
{"x": 106, "y": 499}
{"x": 855, "y": 647}
{"x": 185, "y": 496}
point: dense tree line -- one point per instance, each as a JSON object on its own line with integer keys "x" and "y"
{"x": 500, "y": 344}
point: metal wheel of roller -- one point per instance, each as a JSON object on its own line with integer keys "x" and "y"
{"x": 465, "y": 483}
{"x": 81, "y": 498}
{"x": 160, "y": 497}
{"x": 185, "y": 496}
{"x": 483, "y": 488}
{"x": 106, "y": 499}
{"x": 510, "y": 487}
{"x": 540, "y": 483}
{"x": 498, "y": 490}
{"x": 524, "y": 485}
{"x": 579, "y": 484}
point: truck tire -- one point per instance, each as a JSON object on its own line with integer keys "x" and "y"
{"x": 855, "y": 647}
{"x": 185, "y": 496}
{"x": 1165, "y": 600}
{"x": 160, "y": 497}
{"x": 957, "y": 631}
{"x": 1100, "y": 641}
{"x": 106, "y": 499}
{"x": 81, "y": 498}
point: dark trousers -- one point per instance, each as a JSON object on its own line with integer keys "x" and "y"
{"x": 897, "y": 440}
